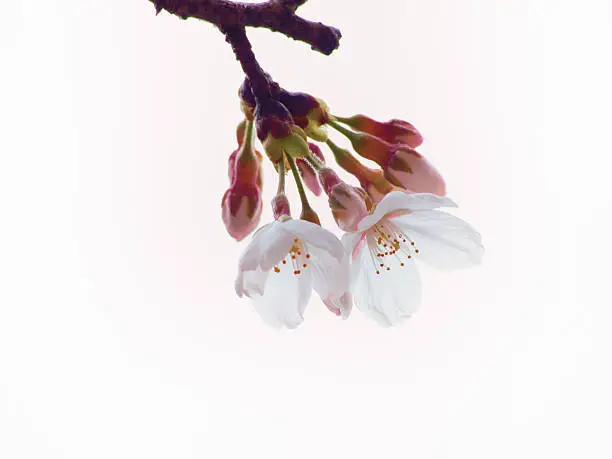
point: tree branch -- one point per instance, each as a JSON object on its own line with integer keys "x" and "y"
{"x": 258, "y": 80}
{"x": 292, "y": 5}
{"x": 276, "y": 15}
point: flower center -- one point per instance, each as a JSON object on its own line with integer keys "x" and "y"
{"x": 297, "y": 258}
{"x": 389, "y": 247}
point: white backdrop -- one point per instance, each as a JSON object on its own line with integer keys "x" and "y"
{"x": 120, "y": 333}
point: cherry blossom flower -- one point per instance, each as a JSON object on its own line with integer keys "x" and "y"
{"x": 284, "y": 262}
{"x": 402, "y": 229}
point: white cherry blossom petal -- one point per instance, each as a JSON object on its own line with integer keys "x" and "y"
{"x": 352, "y": 243}
{"x": 388, "y": 296}
{"x": 285, "y": 306}
{"x": 274, "y": 246}
{"x": 250, "y": 283}
{"x": 250, "y": 257}
{"x": 340, "y": 305}
{"x": 400, "y": 201}
{"x": 324, "y": 269}
{"x": 315, "y": 236}
{"x": 443, "y": 240}
{"x": 331, "y": 281}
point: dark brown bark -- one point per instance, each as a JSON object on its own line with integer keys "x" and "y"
{"x": 276, "y": 15}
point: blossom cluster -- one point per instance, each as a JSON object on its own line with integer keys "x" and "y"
{"x": 391, "y": 221}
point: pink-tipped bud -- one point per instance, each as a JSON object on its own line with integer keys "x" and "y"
{"x": 241, "y": 204}
{"x": 348, "y": 206}
{"x": 402, "y": 166}
{"x": 309, "y": 176}
{"x": 410, "y": 170}
{"x": 241, "y": 209}
{"x": 393, "y": 131}
{"x": 244, "y": 171}
{"x": 231, "y": 165}
{"x": 403, "y": 132}
{"x": 328, "y": 179}
{"x": 280, "y": 206}
{"x": 348, "y": 203}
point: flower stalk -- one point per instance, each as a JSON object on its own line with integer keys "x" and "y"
{"x": 308, "y": 212}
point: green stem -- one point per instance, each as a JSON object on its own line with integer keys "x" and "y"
{"x": 341, "y": 129}
{"x": 342, "y": 119}
{"x": 247, "y": 152}
{"x": 248, "y": 135}
{"x": 281, "y": 175}
{"x": 347, "y": 161}
{"x": 298, "y": 183}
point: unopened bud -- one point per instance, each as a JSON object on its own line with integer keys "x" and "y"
{"x": 245, "y": 169}
{"x": 328, "y": 179}
{"x": 393, "y": 131}
{"x": 244, "y": 164}
{"x": 410, "y": 170}
{"x": 280, "y": 206}
{"x": 309, "y": 176}
{"x": 371, "y": 147}
{"x": 241, "y": 209}
{"x": 347, "y": 205}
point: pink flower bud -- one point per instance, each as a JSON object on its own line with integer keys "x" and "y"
{"x": 240, "y": 131}
{"x": 371, "y": 147}
{"x": 244, "y": 173}
{"x": 328, "y": 178}
{"x": 393, "y": 131}
{"x": 280, "y": 206}
{"x": 408, "y": 169}
{"x": 241, "y": 209}
{"x": 241, "y": 204}
{"x": 347, "y": 205}
{"x": 403, "y": 132}
{"x": 231, "y": 165}
{"x": 309, "y": 176}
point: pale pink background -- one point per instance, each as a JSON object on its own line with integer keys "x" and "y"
{"x": 120, "y": 334}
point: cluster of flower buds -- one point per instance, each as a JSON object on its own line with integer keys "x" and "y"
{"x": 390, "y": 220}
